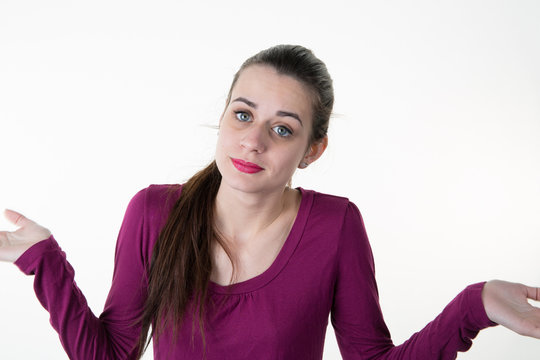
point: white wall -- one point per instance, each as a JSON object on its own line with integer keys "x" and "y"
{"x": 435, "y": 138}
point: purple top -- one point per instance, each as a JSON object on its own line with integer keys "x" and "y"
{"x": 324, "y": 267}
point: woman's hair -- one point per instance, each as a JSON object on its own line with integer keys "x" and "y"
{"x": 181, "y": 263}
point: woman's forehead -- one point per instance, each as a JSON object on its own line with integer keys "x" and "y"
{"x": 263, "y": 85}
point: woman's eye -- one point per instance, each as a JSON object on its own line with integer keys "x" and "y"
{"x": 242, "y": 116}
{"x": 282, "y": 131}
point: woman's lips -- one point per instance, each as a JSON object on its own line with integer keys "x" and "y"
{"x": 246, "y": 167}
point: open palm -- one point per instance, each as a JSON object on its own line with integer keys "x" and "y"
{"x": 507, "y": 304}
{"x": 14, "y": 243}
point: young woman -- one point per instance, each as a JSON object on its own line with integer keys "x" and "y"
{"x": 235, "y": 264}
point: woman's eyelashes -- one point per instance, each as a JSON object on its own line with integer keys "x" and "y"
{"x": 242, "y": 116}
{"x": 280, "y": 130}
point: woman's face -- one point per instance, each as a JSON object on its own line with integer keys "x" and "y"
{"x": 264, "y": 131}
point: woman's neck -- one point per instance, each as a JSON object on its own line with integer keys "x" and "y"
{"x": 241, "y": 216}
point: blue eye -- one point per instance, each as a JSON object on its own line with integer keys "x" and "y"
{"x": 282, "y": 131}
{"x": 242, "y": 116}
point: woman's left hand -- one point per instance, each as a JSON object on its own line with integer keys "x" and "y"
{"x": 506, "y": 304}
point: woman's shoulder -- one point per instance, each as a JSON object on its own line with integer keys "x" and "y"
{"x": 158, "y": 192}
{"x": 326, "y": 199}
{"x": 155, "y": 201}
{"x": 328, "y": 205}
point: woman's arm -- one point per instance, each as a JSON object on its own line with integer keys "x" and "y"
{"x": 112, "y": 335}
{"x": 358, "y": 321}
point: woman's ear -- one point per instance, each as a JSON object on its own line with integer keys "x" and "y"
{"x": 314, "y": 152}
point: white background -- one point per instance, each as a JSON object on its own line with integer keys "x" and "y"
{"x": 436, "y": 136}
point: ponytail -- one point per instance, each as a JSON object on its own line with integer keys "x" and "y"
{"x": 181, "y": 262}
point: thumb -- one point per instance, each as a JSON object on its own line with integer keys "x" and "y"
{"x": 16, "y": 218}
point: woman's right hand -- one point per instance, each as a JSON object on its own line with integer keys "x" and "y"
{"x": 14, "y": 243}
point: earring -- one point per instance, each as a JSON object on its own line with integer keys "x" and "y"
{"x": 303, "y": 165}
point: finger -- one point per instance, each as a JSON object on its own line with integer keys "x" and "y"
{"x": 533, "y": 293}
{"x": 16, "y": 218}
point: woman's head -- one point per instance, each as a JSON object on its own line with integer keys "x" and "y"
{"x": 276, "y": 118}
{"x": 301, "y": 64}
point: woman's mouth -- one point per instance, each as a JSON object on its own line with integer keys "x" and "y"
{"x": 246, "y": 167}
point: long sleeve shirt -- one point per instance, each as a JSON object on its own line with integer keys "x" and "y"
{"x": 325, "y": 269}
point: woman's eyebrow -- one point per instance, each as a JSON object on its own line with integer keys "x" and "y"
{"x": 278, "y": 113}
{"x": 287, "y": 113}
{"x": 244, "y": 100}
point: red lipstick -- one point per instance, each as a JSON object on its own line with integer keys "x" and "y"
{"x": 246, "y": 167}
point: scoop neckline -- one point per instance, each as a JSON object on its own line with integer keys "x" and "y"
{"x": 285, "y": 253}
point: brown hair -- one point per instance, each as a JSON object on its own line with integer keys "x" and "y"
{"x": 181, "y": 262}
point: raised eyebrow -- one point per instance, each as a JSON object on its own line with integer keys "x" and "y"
{"x": 278, "y": 113}
{"x": 244, "y": 100}
{"x": 293, "y": 115}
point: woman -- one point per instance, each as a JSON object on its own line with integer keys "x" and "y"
{"x": 235, "y": 264}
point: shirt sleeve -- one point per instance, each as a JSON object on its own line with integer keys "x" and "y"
{"x": 114, "y": 334}
{"x": 357, "y": 319}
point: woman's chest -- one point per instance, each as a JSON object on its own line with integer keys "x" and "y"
{"x": 281, "y": 314}
{"x": 282, "y": 320}
{"x": 250, "y": 261}
{"x": 251, "y": 257}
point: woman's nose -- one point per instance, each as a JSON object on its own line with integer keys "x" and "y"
{"x": 254, "y": 139}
